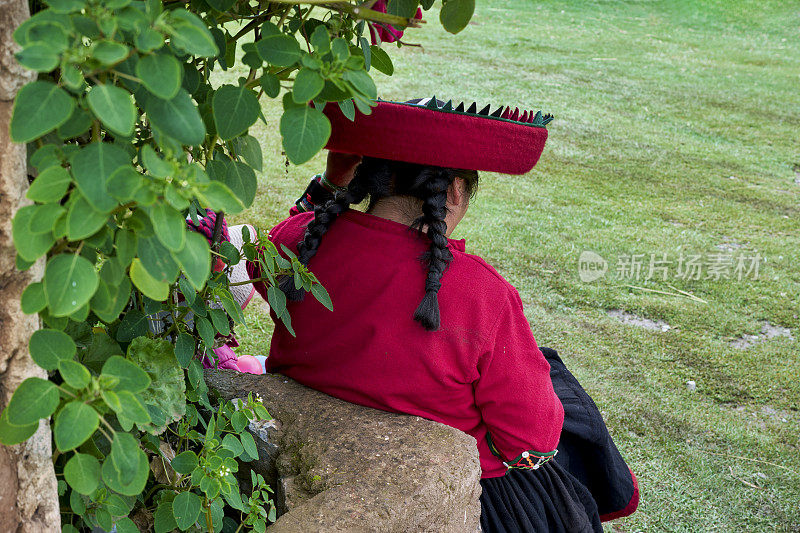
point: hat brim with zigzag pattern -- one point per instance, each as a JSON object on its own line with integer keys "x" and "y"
{"x": 438, "y": 134}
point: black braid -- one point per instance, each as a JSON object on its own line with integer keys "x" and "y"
{"x": 438, "y": 257}
{"x": 324, "y": 216}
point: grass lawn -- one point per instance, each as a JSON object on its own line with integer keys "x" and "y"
{"x": 677, "y": 133}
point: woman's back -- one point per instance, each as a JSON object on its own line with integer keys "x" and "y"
{"x": 480, "y": 371}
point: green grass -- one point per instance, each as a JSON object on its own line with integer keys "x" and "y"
{"x": 676, "y": 131}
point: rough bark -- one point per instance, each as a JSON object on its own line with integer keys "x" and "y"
{"x": 28, "y": 494}
{"x": 337, "y": 466}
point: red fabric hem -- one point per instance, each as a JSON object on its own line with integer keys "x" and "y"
{"x": 629, "y": 509}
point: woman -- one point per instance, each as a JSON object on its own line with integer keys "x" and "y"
{"x": 421, "y": 327}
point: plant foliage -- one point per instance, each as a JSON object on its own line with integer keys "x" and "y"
{"x": 128, "y": 138}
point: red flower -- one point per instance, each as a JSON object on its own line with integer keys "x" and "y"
{"x": 386, "y": 32}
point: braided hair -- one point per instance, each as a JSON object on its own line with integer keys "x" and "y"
{"x": 381, "y": 178}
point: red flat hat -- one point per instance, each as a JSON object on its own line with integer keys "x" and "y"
{"x": 430, "y": 132}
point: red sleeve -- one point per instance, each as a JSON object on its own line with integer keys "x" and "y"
{"x": 515, "y": 394}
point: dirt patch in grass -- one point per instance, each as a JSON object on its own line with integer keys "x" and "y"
{"x": 638, "y": 321}
{"x": 768, "y": 332}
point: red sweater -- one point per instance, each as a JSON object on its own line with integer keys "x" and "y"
{"x": 481, "y": 372}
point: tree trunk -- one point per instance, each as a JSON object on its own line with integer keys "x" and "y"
{"x": 28, "y": 493}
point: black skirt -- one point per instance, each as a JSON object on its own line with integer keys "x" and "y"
{"x": 587, "y": 481}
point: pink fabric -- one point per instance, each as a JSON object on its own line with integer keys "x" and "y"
{"x": 249, "y": 364}
{"x": 226, "y": 359}
{"x": 482, "y": 371}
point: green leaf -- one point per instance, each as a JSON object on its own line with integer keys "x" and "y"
{"x": 167, "y": 389}
{"x": 240, "y": 178}
{"x": 50, "y": 185}
{"x": 276, "y": 299}
{"x": 220, "y": 321}
{"x": 164, "y": 522}
{"x": 233, "y": 444}
{"x": 112, "y": 479}
{"x": 340, "y": 49}
{"x": 11, "y": 434}
{"x": 82, "y": 472}
{"x": 195, "y": 259}
{"x": 230, "y": 253}
{"x": 45, "y": 218}
{"x": 126, "y": 525}
{"x": 184, "y": 349}
{"x": 307, "y": 85}
{"x": 205, "y": 330}
{"x": 191, "y": 34}
{"x": 48, "y": 347}
{"x": 157, "y": 259}
{"x": 75, "y": 423}
{"x": 177, "y": 117}
{"x": 277, "y": 48}
{"x": 109, "y": 300}
{"x": 92, "y": 165}
{"x": 185, "y": 462}
{"x": 186, "y": 509}
{"x": 39, "y": 107}
{"x": 126, "y": 184}
{"x": 381, "y": 60}
{"x": 112, "y": 400}
{"x": 114, "y": 107}
{"x": 231, "y": 306}
{"x": 218, "y": 197}
{"x": 456, "y": 14}
{"x": 322, "y": 296}
{"x": 132, "y": 408}
{"x": 131, "y": 377}
{"x": 33, "y": 299}
{"x": 78, "y": 123}
{"x": 305, "y": 132}
{"x": 69, "y": 283}
{"x": 133, "y": 324}
{"x": 148, "y": 40}
{"x": 125, "y": 241}
{"x": 169, "y": 225}
{"x": 125, "y": 456}
{"x": 235, "y": 109}
{"x": 249, "y": 444}
{"x": 161, "y": 74}
{"x": 221, "y": 5}
{"x": 39, "y": 57}
{"x": 75, "y": 374}
{"x": 63, "y": 7}
{"x": 271, "y": 84}
{"x": 247, "y": 148}
{"x": 402, "y": 8}
{"x": 154, "y": 164}
{"x": 362, "y": 82}
{"x": 82, "y": 219}
{"x": 151, "y": 287}
{"x": 30, "y": 246}
{"x": 321, "y": 39}
{"x": 109, "y": 52}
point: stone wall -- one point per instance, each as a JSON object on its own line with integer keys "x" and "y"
{"x": 337, "y": 466}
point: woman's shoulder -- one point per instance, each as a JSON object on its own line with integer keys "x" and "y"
{"x": 480, "y": 273}
{"x": 290, "y": 230}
